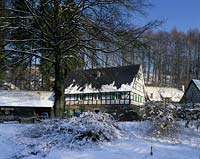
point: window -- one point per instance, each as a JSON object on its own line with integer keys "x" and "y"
{"x": 151, "y": 95}
{"x": 118, "y": 96}
{"x": 80, "y": 96}
{"x": 76, "y": 97}
{"x": 103, "y": 96}
{"x": 113, "y": 96}
{"x": 90, "y": 97}
{"x": 107, "y": 95}
{"x": 67, "y": 97}
{"x": 86, "y": 97}
{"x": 140, "y": 99}
{"x": 99, "y": 96}
{"x": 95, "y": 97}
{"x": 125, "y": 95}
{"x": 136, "y": 97}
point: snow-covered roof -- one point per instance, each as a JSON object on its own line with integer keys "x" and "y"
{"x": 26, "y": 98}
{"x": 101, "y": 80}
{"x": 158, "y": 93}
{"x": 197, "y": 83}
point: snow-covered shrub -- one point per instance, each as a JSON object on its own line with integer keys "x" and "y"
{"x": 87, "y": 129}
{"x": 163, "y": 119}
{"x": 93, "y": 127}
{"x": 189, "y": 112}
{"x": 164, "y": 124}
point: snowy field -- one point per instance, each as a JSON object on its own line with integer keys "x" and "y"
{"x": 134, "y": 142}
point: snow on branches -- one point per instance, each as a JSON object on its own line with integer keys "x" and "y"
{"x": 163, "y": 119}
{"x": 78, "y": 132}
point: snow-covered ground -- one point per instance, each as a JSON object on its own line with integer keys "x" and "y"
{"x": 134, "y": 142}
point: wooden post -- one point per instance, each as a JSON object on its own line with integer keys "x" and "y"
{"x": 92, "y": 99}
{"x": 110, "y": 98}
{"x": 151, "y": 153}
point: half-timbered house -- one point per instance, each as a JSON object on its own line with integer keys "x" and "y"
{"x": 112, "y": 90}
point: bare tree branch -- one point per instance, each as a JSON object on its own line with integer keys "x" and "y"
{"x": 28, "y": 53}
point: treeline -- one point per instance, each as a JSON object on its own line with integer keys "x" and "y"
{"x": 31, "y": 41}
{"x": 171, "y": 58}
{"x": 168, "y": 58}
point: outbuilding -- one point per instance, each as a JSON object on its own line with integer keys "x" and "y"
{"x": 192, "y": 93}
{"x": 160, "y": 94}
{"x": 25, "y": 103}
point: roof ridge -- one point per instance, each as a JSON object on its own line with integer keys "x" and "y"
{"x": 105, "y": 68}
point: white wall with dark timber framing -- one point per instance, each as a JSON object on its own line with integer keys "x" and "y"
{"x": 112, "y": 95}
{"x": 138, "y": 89}
{"x": 101, "y": 98}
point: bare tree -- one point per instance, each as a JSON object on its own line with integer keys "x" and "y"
{"x": 66, "y": 31}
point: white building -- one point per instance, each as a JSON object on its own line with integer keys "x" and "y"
{"x": 105, "y": 89}
{"x": 25, "y": 103}
{"x": 163, "y": 94}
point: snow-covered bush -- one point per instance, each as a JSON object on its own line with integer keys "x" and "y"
{"x": 189, "y": 112}
{"x": 87, "y": 129}
{"x": 93, "y": 127}
{"x": 164, "y": 124}
{"x": 163, "y": 119}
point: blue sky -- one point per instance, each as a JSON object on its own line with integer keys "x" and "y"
{"x": 182, "y": 14}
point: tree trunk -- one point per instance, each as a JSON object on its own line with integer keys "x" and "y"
{"x": 59, "y": 90}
